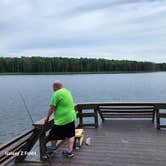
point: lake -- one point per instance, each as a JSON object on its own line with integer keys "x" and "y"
{"x": 37, "y": 91}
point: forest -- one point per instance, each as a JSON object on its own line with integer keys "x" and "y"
{"x": 62, "y": 64}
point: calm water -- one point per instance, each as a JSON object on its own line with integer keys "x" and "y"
{"x": 37, "y": 91}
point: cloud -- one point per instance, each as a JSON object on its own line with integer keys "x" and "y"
{"x": 114, "y": 29}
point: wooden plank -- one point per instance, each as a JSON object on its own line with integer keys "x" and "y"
{"x": 126, "y": 108}
{"x": 17, "y": 138}
{"x": 6, "y": 158}
{"x": 86, "y": 115}
{"x": 23, "y": 144}
{"x": 88, "y": 124}
{"x": 26, "y": 144}
{"x": 161, "y": 106}
{"x": 127, "y": 115}
{"x": 93, "y": 104}
{"x": 126, "y": 111}
{"x": 162, "y": 126}
{"x": 29, "y": 144}
{"x": 3, "y": 153}
{"x": 162, "y": 115}
{"x": 33, "y": 162}
{"x": 85, "y": 106}
{"x": 6, "y": 162}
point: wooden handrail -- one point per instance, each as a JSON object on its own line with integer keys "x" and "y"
{"x": 3, "y": 157}
{"x": 22, "y": 142}
{"x": 93, "y": 104}
{"x": 126, "y": 107}
{"x": 14, "y": 140}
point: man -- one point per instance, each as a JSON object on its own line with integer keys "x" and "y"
{"x": 62, "y": 106}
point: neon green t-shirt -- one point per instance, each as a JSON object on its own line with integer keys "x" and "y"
{"x": 64, "y": 107}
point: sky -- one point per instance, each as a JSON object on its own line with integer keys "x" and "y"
{"x": 111, "y": 29}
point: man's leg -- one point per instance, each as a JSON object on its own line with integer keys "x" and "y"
{"x": 70, "y": 144}
{"x": 49, "y": 150}
{"x": 53, "y": 143}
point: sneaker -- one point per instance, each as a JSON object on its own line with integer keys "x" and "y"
{"x": 68, "y": 154}
{"x": 50, "y": 149}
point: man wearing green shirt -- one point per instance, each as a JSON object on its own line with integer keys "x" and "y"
{"x": 62, "y": 106}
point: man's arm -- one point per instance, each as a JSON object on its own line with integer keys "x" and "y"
{"x": 50, "y": 111}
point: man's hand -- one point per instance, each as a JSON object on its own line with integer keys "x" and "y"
{"x": 50, "y": 111}
{"x": 46, "y": 120}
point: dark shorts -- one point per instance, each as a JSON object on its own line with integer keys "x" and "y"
{"x": 60, "y": 132}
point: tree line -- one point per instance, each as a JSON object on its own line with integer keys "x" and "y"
{"x": 61, "y": 64}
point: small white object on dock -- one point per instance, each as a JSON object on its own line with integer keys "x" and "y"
{"x": 88, "y": 140}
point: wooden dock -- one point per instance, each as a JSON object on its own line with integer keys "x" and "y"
{"x": 129, "y": 142}
{"x": 118, "y": 143}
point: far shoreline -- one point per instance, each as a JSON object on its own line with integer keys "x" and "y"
{"x": 75, "y": 73}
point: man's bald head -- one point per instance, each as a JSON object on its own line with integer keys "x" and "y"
{"x": 57, "y": 85}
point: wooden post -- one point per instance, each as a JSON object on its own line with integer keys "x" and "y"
{"x": 80, "y": 117}
{"x": 96, "y": 117}
{"x": 158, "y": 118}
{"x": 42, "y": 145}
{"x": 154, "y": 112}
{"x": 98, "y": 109}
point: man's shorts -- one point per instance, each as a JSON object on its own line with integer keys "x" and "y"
{"x": 60, "y": 132}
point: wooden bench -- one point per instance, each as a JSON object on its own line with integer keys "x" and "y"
{"x": 126, "y": 112}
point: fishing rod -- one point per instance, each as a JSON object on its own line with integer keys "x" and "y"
{"x": 26, "y": 107}
{"x": 27, "y": 110}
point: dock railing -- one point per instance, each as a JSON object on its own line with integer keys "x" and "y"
{"x": 25, "y": 141}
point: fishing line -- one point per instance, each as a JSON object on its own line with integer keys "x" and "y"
{"x": 26, "y": 107}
